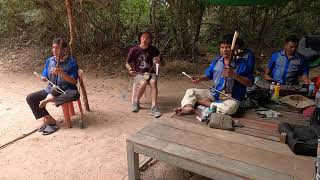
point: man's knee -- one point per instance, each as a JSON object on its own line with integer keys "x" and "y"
{"x": 30, "y": 98}
{"x": 143, "y": 83}
{"x": 76, "y": 95}
{"x": 190, "y": 91}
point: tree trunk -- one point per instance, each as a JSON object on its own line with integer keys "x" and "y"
{"x": 154, "y": 23}
{"x": 72, "y": 49}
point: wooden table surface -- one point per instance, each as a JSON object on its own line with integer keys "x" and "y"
{"x": 217, "y": 154}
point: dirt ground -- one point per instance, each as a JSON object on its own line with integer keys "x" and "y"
{"x": 96, "y": 152}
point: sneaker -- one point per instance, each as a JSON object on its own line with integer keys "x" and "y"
{"x": 154, "y": 112}
{"x": 135, "y": 107}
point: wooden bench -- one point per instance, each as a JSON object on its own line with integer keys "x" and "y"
{"x": 216, "y": 154}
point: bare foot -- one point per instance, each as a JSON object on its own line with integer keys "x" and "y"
{"x": 44, "y": 102}
{"x": 184, "y": 111}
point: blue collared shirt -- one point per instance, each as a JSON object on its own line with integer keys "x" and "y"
{"x": 69, "y": 66}
{"x": 287, "y": 70}
{"x": 250, "y": 59}
{"x": 214, "y": 73}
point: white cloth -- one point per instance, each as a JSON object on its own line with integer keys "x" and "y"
{"x": 227, "y": 107}
{"x": 193, "y": 95}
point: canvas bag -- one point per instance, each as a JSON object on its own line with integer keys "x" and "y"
{"x": 221, "y": 121}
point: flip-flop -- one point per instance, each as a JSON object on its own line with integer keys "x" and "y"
{"x": 50, "y": 129}
{"x": 40, "y": 129}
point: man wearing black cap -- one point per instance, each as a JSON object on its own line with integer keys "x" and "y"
{"x": 140, "y": 63}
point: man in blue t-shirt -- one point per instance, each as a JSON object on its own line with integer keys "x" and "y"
{"x": 64, "y": 74}
{"x": 229, "y": 76}
{"x": 286, "y": 66}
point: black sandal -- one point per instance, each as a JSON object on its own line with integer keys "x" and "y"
{"x": 50, "y": 129}
{"x": 40, "y": 129}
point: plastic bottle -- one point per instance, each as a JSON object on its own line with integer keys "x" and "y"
{"x": 276, "y": 91}
{"x": 317, "y": 99}
{"x": 311, "y": 89}
{"x": 272, "y": 86}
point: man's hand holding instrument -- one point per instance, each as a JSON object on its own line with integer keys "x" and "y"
{"x": 197, "y": 80}
{"x": 45, "y": 79}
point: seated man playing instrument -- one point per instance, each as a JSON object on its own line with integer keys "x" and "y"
{"x": 141, "y": 63}
{"x": 62, "y": 71}
{"x": 228, "y": 75}
{"x": 286, "y": 66}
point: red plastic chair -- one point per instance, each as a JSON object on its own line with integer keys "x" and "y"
{"x": 316, "y": 81}
{"x": 68, "y": 109}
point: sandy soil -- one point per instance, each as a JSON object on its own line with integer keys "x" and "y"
{"x": 96, "y": 152}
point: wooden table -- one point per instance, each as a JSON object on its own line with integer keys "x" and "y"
{"x": 216, "y": 154}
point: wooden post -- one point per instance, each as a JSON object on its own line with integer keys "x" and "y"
{"x": 72, "y": 49}
{"x": 283, "y": 138}
{"x": 133, "y": 162}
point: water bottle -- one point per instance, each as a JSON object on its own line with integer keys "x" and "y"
{"x": 272, "y": 86}
{"x": 311, "y": 89}
{"x": 317, "y": 99}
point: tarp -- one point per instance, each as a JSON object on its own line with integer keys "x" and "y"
{"x": 245, "y": 2}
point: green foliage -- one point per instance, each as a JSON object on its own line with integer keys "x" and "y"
{"x": 113, "y": 24}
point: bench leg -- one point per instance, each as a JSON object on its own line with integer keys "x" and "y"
{"x": 283, "y": 138}
{"x": 133, "y": 162}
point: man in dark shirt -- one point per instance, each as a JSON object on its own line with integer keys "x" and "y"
{"x": 141, "y": 63}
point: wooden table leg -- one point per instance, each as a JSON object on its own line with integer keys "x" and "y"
{"x": 283, "y": 138}
{"x": 133, "y": 162}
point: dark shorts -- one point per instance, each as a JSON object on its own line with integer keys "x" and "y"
{"x": 35, "y": 98}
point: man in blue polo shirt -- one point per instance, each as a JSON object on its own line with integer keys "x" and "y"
{"x": 246, "y": 54}
{"x": 286, "y": 66}
{"x": 231, "y": 76}
{"x": 65, "y": 76}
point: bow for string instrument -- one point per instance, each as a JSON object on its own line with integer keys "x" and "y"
{"x": 147, "y": 75}
{"x": 55, "y": 89}
{"x": 227, "y": 66}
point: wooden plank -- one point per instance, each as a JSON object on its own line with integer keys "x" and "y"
{"x": 133, "y": 162}
{"x": 204, "y": 163}
{"x": 259, "y": 131}
{"x": 257, "y": 134}
{"x": 252, "y": 127}
{"x": 228, "y": 136}
{"x": 189, "y": 118}
{"x": 266, "y": 126}
{"x": 255, "y": 156}
{"x": 290, "y": 117}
